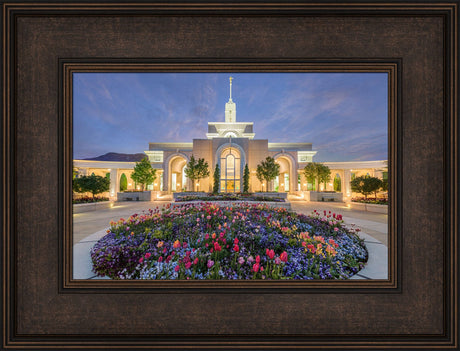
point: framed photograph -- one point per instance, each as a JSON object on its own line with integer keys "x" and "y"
{"x": 256, "y": 134}
{"x": 286, "y": 199}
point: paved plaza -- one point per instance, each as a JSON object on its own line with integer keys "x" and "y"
{"x": 88, "y": 227}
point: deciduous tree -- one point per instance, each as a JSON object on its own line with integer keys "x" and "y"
{"x": 196, "y": 169}
{"x": 92, "y": 184}
{"x": 366, "y": 185}
{"x": 267, "y": 170}
{"x": 317, "y": 173}
{"x": 144, "y": 173}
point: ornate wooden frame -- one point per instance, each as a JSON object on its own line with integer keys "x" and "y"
{"x": 43, "y": 43}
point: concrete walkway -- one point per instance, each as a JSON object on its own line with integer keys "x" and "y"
{"x": 89, "y": 227}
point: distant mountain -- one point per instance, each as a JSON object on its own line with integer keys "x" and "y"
{"x": 114, "y": 156}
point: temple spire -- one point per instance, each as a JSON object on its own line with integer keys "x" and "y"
{"x": 230, "y": 79}
{"x": 230, "y": 107}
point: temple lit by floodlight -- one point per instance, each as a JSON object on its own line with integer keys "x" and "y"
{"x": 231, "y": 145}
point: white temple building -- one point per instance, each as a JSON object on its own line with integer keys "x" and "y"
{"x": 232, "y": 145}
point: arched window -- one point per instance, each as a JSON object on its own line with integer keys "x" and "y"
{"x": 230, "y": 170}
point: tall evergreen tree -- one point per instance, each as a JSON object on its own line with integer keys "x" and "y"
{"x": 215, "y": 188}
{"x": 246, "y": 179}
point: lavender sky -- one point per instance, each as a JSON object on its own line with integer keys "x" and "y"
{"x": 344, "y": 115}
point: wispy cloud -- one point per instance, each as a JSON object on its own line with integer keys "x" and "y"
{"x": 343, "y": 115}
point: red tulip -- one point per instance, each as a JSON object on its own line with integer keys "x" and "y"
{"x": 270, "y": 254}
{"x": 284, "y": 256}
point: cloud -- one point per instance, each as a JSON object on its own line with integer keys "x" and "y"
{"x": 343, "y": 115}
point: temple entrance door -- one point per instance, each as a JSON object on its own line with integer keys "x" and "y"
{"x": 230, "y": 172}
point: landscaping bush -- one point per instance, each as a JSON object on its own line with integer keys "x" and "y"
{"x": 375, "y": 201}
{"x": 206, "y": 241}
{"x": 228, "y": 197}
{"x": 87, "y": 199}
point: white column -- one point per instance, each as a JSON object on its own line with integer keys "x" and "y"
{"x": 114, "y": 182}
{"x": 346, "y": 183}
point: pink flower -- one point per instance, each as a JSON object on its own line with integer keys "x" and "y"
{"x": 160, "y": 259}
{"x": 270, "y": 253}
{"x": 255, "y": 267}
{"x": 188, "y": 265}
{"x": 177, "y": 268}
{"x": 250, "y": 259}
{"x": 208, "y": 217}
{"x": 284, "y": 256}
{"x": 236, "y": 241}
{"x": 240, "y": 260}
{"x": 257, "y": 259}
{"x": 141, "y": 259}
{"x": 147, "y": 255}
{"x": 195, "y": 261}
{"x": 277, "y": 260}
{"x": 336, "y": 229}
{"x": 206, "y": 236}
{"x": 236, "y": 248}
{"x": 210, "y": 263}
{"x": 184, "y": 245}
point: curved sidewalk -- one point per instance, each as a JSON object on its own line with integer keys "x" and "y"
{"x": 89, "y": 227}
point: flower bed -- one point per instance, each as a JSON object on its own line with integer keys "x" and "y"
{"x": 373, "y": 201}
{"x": 88, "y": 200}
{"x": 229, "y": 197}
{"x": 204, "y": 241}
